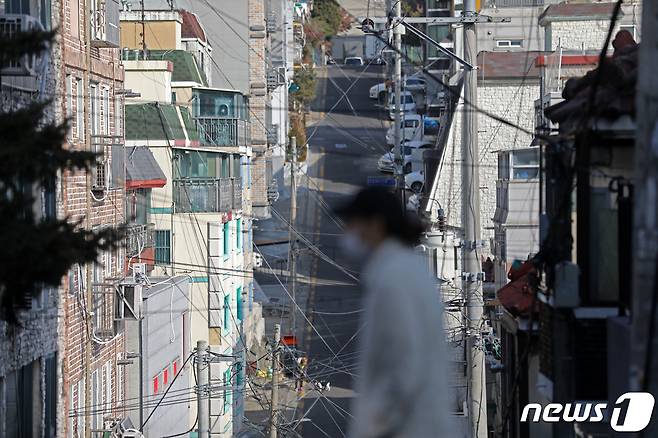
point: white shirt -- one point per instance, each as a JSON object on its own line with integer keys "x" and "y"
{"x": 402, "y": 385}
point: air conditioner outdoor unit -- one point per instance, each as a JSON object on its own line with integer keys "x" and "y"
{"x": 28, "y": 65}
{"x": 128, "y": 301}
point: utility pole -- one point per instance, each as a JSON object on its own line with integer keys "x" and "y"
{"x": 397, "y": 80}
{"x": 275, "y": 381}
{"x": 643, "y": 373}
{"x": 292, "y": 238}
{"x": 472, "y": 280}
{"x": 203, "y": 389}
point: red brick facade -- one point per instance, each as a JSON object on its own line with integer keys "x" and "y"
{"x": 102, "y": 208}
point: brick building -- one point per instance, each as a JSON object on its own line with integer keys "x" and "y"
{"x": 92, "y": 343}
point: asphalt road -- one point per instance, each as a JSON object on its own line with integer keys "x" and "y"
{"x": 344, "y": 147}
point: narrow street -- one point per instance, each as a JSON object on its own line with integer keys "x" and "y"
{"x": 344, "y": 146}
{"x": 346, "y": 137}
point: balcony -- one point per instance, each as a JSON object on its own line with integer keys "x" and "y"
{"x": 140, "y": 237}
{"x": 216, "y": 131}
{"x": 207, "y": 195}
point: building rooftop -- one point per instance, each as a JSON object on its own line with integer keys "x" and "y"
{"x": 192, "y": 27}
{"x": 153, "y": 121}
{"x": 185, "y": 67}
{"x": 507, "y": 65}
{"x": 615, "y": 87}
{"x": 576, "y": 12}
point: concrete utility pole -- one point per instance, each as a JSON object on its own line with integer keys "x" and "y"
{"x": 203, "y": 389}
{"x": 275, "y": 381}
{"x": 644, "y": 372}
{"x": 472, "y": 281}
{"x": 292, "y": 238}
{"x": 397, "y": 80}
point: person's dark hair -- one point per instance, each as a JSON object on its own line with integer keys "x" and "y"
{"x": 381, "y": 203}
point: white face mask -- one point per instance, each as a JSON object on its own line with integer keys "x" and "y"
{"x": 353, "y": 246}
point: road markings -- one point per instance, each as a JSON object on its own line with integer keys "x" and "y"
{"x": 341, "y": 146}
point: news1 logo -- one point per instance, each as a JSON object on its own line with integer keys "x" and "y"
{"x": 630, "y": 413}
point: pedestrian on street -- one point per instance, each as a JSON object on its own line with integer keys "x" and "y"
{"x": 301, "y": 371}
{"x": 402, "y": 383}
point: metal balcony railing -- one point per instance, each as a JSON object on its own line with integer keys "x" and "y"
{"x": 216, "y": 131}
{"x": 207, "y": 195}
{"x": 140, "y": 236}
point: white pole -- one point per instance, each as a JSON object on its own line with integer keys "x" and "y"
{"x": 275, "y": 381}
{"x": 397, "y": 79}
{"x": 202, "y": 390}
{"x": 477, "y": 395}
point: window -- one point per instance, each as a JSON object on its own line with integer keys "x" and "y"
{"x": 108, "y": 385}
{"x": 96, "y": 399}
{"x": 175, "y": 367}
{"x": 525, "y": 164}
{"x": 118, "y": 117}
{"x": 94, "y": 113}
{"x": 107, "y": 264}
{"x": 227, "y": 239}
{"x": 162, "y": 247}
{"x": 239, "y": 374}
{"x": 81, "y": 407}
{"x": 238, "y": 232}
{"x": 238, "y": 301}
{"x": 165, "y": 376}
{"x": 80, "y": 109}
{"x": 119, "y": 399}
{"x": 509, "y": 44}
{"x": 156, "y": 384}
{"x": 438, "y": 4}
{"x": 69, "y": 95}
{"x": 227, "y": 392}
{"x": 106, "y": 111}
{"x": 227, "y": 310}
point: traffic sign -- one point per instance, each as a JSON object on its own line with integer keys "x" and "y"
{"x": 386, "y": 181}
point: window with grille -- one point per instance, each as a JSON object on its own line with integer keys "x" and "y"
{"x": 162, "y": 247}
{"x": 227, "y": 310}
{"x": 227, "y": 239}
{"x": 80, "y": 109}
{"x": 509, "y": 44}
{"x": 238, "y": 300}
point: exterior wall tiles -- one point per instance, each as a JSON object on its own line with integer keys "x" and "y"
{"x": 514, "y": 102}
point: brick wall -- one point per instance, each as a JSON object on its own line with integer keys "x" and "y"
{"x": 512, "y": 101}
{"x": 257, "y": 102}
{"x": 75, "y": 329}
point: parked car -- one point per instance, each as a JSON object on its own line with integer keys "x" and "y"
{"x": 386, "y": 162}
{"x": 378, "y": 92}
{"x": 414, "y": 127}
{"x": 353, "y": 60}
{"x": 415, "y": 84}
{"x": 407, "y": 104}
{"x": 414, "y": 181}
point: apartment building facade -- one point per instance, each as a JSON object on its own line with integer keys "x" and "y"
{"x": 93, "y": 342}
{"x": 30, "y": 349}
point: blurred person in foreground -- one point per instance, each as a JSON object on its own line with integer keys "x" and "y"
{"x": 402, "y": 384}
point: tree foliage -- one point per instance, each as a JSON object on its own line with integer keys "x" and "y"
{"x": 38, "y": 248}
{"x": 306, "y": 81}
{"x": 327, "y": 19}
